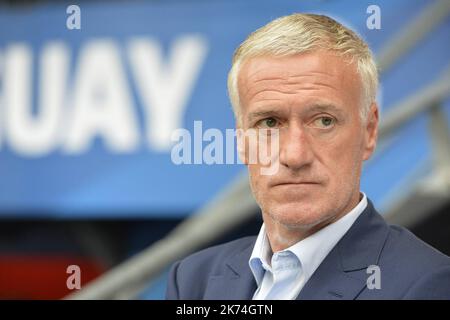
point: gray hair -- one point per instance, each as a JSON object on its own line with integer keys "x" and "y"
{"x": 300, "y": 33}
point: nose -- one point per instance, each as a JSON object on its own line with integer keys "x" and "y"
{"x": 295, "y": 148}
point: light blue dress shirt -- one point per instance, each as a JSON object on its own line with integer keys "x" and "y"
{"x": 283, "y": 274}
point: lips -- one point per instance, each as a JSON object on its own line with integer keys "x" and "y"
{"x": 299, "y": 183}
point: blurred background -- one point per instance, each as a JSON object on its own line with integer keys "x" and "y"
{"x": 90, "y": 96}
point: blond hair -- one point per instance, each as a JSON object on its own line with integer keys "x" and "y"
{"x": 299, "y": 33}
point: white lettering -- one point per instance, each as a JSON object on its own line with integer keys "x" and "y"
{"x": 28, "y": 134}
{"x": 165, "y": 87}
{"x": 101, "y": 102}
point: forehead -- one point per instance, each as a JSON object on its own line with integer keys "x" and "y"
{"x": 299, "y": 77}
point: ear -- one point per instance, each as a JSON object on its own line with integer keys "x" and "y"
{"x": 371, "y": 131}
{"x": 241, "y": 143}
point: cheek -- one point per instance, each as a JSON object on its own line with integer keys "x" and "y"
{"x": 342, "y": 158}
{"x": 255, "y": 177}
{"x": 259, "y": 183}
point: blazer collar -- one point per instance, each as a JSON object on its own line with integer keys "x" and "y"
{"x": 237, "y": 281}
{"x": 341, "y": 275}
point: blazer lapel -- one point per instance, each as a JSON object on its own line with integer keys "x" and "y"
{"x": 236, "y": 282}
{"x": 342, "y": 274}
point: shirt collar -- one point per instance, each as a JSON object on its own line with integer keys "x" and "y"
{"x": 310, "y": 251}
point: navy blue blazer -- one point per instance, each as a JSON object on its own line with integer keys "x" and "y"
{"x": 409, "y": 268}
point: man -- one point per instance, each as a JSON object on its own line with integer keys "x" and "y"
{"x": 315, "y": 82}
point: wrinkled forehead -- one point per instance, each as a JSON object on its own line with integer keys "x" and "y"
{"x": 323, "y": 71}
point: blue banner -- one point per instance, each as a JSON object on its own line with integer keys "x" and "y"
{"x": 90, "y": 96}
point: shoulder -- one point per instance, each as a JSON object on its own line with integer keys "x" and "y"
{"x": 405, "y": 248}
{"x": 188, "y": 277}
{"x": 400, "y": 248}
{"x": 213, "y": 257}
{"x": 412, "y": 268}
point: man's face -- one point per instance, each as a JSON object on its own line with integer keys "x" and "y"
{"x": 314, "y": 99}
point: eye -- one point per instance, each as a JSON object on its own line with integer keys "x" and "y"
{"x": 267, "y": 123}
{"x": 324, "y": 122}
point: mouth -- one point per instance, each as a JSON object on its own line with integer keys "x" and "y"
{"x": 302, "y": 183}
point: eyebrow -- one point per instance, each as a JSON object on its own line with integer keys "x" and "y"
{"x": 325, "y": 107}
{"x": 319, "y": 107}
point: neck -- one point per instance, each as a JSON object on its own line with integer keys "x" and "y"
{"x": 283, "y": 236}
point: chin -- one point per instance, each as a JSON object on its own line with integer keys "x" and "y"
{"x": 299, "y": 215}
